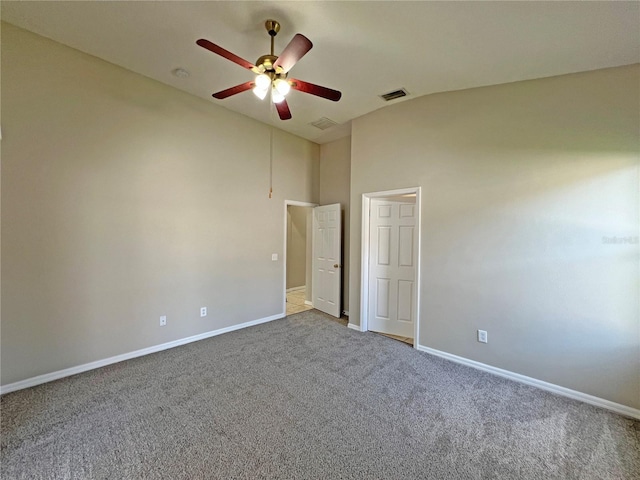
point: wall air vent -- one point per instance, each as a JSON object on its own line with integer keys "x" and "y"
{"x": 323, "y": 123}
{"x": 387, "y": 97}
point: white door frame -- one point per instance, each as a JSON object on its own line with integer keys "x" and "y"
{"x": 284, "y": 251}
{"x": 364, "y": 282}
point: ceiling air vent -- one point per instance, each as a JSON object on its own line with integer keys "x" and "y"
{"x": 387, "y": 97}
{"x": 323, "y": 123}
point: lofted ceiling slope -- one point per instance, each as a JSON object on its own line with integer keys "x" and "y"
{"x": 363, "y": 49}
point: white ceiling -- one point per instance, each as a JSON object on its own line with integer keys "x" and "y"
{"x": 363, "y": 49}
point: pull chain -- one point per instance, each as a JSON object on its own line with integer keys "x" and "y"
{"x": 271, "y": 161}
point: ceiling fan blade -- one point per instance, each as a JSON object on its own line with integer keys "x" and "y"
{"x": 319, "y": 91}
{"x": 283, "y": 110}
{"x": 243, "y": 87}
{"x": 297, "y": 48}
{"x": 212, "y": 47}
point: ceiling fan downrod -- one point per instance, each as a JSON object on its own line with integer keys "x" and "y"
{"x": 273, "y": 27}
{"x": 267, "y": 61}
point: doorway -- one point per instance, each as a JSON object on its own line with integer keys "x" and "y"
{"x": 322, "y": 287}
{"x": 390, "y": 263}
{"x": 298, "y": 244}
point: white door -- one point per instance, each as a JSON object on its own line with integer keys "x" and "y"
{"x": 327, "y": 252}
{"x": 392, "y": 265}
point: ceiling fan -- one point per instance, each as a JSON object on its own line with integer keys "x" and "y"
{"x": 271, "y": 72}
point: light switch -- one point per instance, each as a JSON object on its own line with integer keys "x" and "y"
{"x": 274, "y": 257}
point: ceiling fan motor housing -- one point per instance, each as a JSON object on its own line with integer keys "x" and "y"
{"x": 267, "y": 61}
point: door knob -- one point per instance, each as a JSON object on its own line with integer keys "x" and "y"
{"x": 336, "y": 266}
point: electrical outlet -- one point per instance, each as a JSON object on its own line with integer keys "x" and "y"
{"x": 274, "y": 257}
{"x": 163, "y": 320}
{"x": 482, "y": 336}
{"x": 203, "y": 311}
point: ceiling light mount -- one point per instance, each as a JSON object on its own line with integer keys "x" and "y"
{"x": 272, "y": 26}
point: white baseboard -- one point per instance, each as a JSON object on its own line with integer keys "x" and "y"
{"x": 48, "y": 377}
{"x": 307, "y": 302}
{"x": 296, "y": 289}
{"x": 557, "y": 389}
{"x": 354, "y": 327}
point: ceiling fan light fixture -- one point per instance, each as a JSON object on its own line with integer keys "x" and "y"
{"x": 282, "y": 86}
{"x": 276, "y": 96}
{"x": 271, "y": 72}
{"x": 263, "y": 81}
{"x": 261, "y": 93}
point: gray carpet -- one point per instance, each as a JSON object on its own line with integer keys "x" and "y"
{"x": 306, "y": 398}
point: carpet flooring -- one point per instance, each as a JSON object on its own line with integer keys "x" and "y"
{"x": 306, "y": 398}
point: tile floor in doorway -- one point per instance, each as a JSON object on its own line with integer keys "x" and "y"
{"x": 295, "y": 302}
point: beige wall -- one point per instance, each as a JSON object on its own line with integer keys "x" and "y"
{"x": 521, "y": 183}
{"x": 297, "y": 246}
{"x": 335, "y": 180}
{"x": 124, "y": 199}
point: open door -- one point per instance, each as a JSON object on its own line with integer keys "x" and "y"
{"x": 327, "y": 255}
